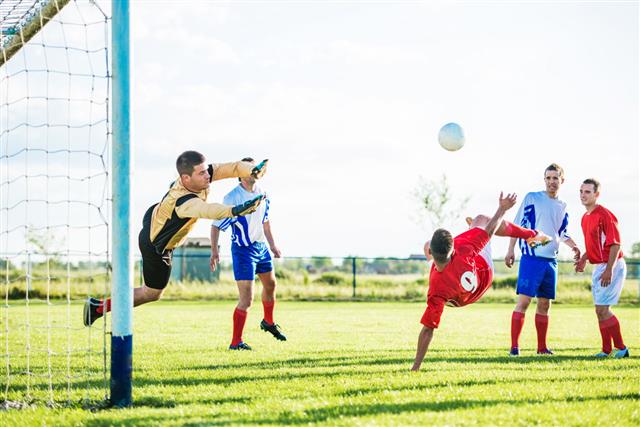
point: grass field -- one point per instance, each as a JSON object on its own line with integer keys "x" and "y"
{"x": 348, "y": 364}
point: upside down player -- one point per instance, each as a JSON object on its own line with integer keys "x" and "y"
{"x": 462, "y": 269}
{"x": 166, "y": 224}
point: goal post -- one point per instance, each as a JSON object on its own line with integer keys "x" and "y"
{"x": 122, "y": 292}
{"x": 65, "y": 202}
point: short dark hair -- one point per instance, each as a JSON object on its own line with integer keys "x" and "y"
{"x": 246, "y": 159}
{"x": 441, "y": 244}
{"x": 187, "y": 161}
{"x": 555, "y": 167}
{"x": 594, "y": 182}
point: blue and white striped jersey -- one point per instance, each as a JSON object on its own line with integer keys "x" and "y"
{"x": 245, "y": 230}
{"x": 538, "y": 211}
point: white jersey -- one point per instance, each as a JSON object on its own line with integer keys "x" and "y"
{"x": 247, "y": 229}
{"x": 538, "y": 211}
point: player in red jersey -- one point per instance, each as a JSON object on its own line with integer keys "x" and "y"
{"x": 462, "y": 268}
{"x": 602, "y": 241}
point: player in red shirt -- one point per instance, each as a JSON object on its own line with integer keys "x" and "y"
{"x": 602, "y": 241}
{"x": 462, "y": 269}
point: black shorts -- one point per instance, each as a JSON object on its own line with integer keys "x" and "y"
{"x": 156, "y": 268}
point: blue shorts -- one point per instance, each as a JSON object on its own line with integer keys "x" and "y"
{"x": 537, "y": 277}
{"x": 250, "y": 260}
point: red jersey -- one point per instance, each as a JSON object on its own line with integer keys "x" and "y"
{"x": 600, "y": 228}
{"x": 463, "y": 281}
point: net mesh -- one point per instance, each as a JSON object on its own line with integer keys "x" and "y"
{"x": 54, "y": 198}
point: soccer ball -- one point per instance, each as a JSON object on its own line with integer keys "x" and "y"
{"x": 451, "y": 137}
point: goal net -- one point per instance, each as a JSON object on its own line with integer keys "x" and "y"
{"x": 54, "y": 199}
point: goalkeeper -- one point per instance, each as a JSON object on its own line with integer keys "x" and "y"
{"x": 166, "y": 224}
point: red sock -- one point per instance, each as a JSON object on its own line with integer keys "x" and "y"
{"x": 517, "y": 322}
{"x": 268, "y": 311}
{"x": 101, "y": 307}
{"x": 606, "y": 336}
{"x": 239, "y": 317}
{"x": 512, "y": 230}
{"x": 613, "y": 327}
{"x": 542, "y": 324}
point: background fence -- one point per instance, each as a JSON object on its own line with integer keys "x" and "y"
{"x": 354, "y": 277}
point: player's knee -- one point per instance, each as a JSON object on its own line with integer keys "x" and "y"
{"x": 602, "y": 311}
{"x": 245, "y": 301}
{"x": 543, "y": 305}
{"x": 154, "y": 295}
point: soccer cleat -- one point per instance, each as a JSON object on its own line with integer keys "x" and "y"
{"x": 258, "y": 171}
{"x": 514, "y": 352}
{"x": 540, "y": 239}
{"x": 247, "y": 207}
{"x": 273, "y": 329}
{"x": 240, "y": 346}
{"x": 622, "y": 353}
{"x": 601, "y": 355}
{"x": 545, "y": 351}
{"x": 90, "y": 313}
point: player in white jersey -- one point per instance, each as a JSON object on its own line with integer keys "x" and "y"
{"x": 538, "y": 272}
{"x": 250, "y": 257}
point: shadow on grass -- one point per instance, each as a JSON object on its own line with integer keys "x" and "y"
{"x": 288, "y": 369}
{"x": 330, "y": 412}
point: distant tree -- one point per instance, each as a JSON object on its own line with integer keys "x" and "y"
{"x": 437, "y": 203}
{"x": 635, "y": 250}
{"x": 45, "y": 246}
{"x": 321, "y": 263}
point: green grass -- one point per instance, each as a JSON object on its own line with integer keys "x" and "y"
{"x": 348, "y": 364}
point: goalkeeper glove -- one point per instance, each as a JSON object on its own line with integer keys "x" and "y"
{"x": 247, "y": 207}
{"x": 260, "y": 170}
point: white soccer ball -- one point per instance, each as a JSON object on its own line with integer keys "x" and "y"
{"x": 451, "y": 137}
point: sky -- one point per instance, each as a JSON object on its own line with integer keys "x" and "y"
{"x": 346, "y": 99}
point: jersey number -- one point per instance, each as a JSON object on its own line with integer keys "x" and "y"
{"x": 469, "y": 281}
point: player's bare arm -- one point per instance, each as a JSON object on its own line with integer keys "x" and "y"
{"x": 510, "y": 257}
{"x": 215, "y": 255}
{"x": 424, "y": 339}
{"x": 272, "y": 244}
{"x": 605, "y": 279}
{"x": 504, "y": 204}
{"x": 574, "y": 247}
{"x": 580, "y": 263}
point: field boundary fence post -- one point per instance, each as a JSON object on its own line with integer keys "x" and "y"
{"x": 354, "y": 273}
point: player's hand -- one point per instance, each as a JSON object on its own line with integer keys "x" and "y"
{"x": 509, "y": 258}
{"x": 276, "y": 252}
{"x": 508, "y": 201}
{"x": 214, "y": 261}
{"x": 605, "y": 279}
{"x": 580, "y": 264}
{"x": 576, "y": 253}
{"x": 258, "y": 171}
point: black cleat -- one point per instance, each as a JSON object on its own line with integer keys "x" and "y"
{"x": 247, "y": 207}
{"x": 273, "y": 329}
{"x": 90, "y": 313}
{"x": 258, "y": 171}
{"x": 240, "y": 346}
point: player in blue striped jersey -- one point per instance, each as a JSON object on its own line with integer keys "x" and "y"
{"x": 538, "y": 272}
{"x": 250, "y": 256}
